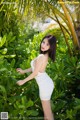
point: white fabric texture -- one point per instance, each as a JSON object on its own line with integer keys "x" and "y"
{"x": 45, "y": 84}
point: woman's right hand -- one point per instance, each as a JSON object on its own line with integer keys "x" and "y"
{"x": 20, "y": 70}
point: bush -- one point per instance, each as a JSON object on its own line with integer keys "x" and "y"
{"x": 23, "y": 101}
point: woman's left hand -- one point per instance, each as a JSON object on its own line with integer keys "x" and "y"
{"x": 20, "y": 82}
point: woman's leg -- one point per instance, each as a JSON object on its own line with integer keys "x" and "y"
{"x": 48, "y": 115}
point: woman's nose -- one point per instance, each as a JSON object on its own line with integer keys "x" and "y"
{"x": 44, "y": 45}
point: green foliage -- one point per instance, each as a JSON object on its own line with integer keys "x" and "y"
{"x": 19, "y": 44}
{"x": 23, "y": 101}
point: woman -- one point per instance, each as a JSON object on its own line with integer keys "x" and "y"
{"x": 38, "y": 66}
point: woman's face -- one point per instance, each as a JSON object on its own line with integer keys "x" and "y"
{"x": 45, "y": 45}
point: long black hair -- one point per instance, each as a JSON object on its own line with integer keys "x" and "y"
{"x": 52, "y": 42}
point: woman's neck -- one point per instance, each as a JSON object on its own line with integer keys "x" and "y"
{"x": 46, "y": 55}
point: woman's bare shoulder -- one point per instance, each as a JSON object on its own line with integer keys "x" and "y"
{"x": 41, "y": 56}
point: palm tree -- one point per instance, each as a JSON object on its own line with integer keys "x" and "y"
{"x": 59, "y": 11}
{"x": 55, "y": 9}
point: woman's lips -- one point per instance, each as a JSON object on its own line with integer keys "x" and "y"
{"x": 42, "y": 48}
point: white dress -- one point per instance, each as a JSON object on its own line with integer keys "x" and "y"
{"x": 45, "y": 84}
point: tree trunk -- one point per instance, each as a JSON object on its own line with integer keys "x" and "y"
{"x": 74, "y": 35}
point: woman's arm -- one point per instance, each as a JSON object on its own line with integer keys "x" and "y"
{"x": 27, "y": 70}
{"x": 24, "y": 71}
{"x": 38, "y": 65}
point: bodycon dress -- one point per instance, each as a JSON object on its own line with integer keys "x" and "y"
{"x": 45, "y": 84}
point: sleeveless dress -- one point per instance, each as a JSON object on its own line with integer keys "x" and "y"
{"x": 44, "y": 82}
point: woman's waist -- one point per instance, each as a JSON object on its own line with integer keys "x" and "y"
{"x": 41, "y": 74}
{"x": 43, "y": 78}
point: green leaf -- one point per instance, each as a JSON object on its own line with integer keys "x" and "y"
{"x": 4, "y": 51}
{"x": 2, "y": 40}
{"x": 32, "y": 113}
{"x": 3, "y": 90}
{"x": 29, "y": 104}
{"x": 21, "y": 106}
{"x": 59, "y": 105}
{"x": 10, "y": 56}
{"x": 70, "y": 114}
{"x": 3, "y": 69}
{"x": 24, "y": 100}
{"x": 13, "y": 63}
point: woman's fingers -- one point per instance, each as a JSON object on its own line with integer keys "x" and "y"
{"x": 20, "y": 82}
{"x": 18, "y": 69}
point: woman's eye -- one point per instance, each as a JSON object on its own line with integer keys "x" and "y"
{"x": 47, "y": 44}
{"x": 43, "y": 42}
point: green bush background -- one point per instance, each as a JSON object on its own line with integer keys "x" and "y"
{"x": 17, "y": 48}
